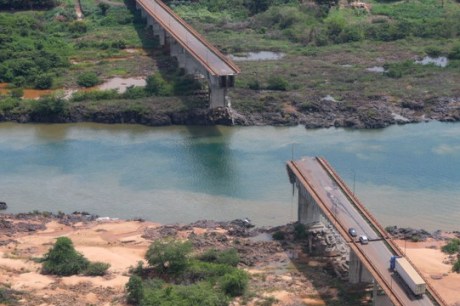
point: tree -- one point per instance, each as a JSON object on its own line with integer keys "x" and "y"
{"x": 88, "y": 79}
{"x": 135, "y": 289}
{"x": 169, "y": 256}
{"x": 234, "y": 283}
{"x": 276, "y": 82}
{"x": 104, "y": 7}
{"x": 63, "y": 259}
{"x": 43, "y": 81}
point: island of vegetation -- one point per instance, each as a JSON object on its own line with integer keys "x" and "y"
{"x": 338, "y": 63}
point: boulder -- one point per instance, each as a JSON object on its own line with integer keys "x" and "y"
{"x": 3, "y": 206}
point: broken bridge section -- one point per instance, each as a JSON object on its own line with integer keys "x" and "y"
{"x": 193, "y": 52}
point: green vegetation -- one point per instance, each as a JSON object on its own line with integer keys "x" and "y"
{"x": 27, "y": 4}
{"x": 456, "y": 266}
{"x": 88, "y": 79}
{"x": 328, "y": 49}
{"x": 8, "y": 296}
{"x": 175, "y": 277}
{"x": 452, "y": 247}
{"x": 278, "y": 235}
{"x": 63, "y": 260}
{"x": 169, "y": 256}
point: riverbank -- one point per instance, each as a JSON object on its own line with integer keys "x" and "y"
{"x": 164, "y": 111}
{"x": 282, "y": 273}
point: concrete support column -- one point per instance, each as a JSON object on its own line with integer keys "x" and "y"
{"x": 382, "y": 300}
{"x": 357, "y": 273}
{"x": 217, "y": 93}
{"x": 308, "y": 211}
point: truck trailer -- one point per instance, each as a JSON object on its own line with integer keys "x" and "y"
{"x": 404, "y": 269}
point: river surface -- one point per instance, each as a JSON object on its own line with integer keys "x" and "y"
{"x": 406, "y": 175}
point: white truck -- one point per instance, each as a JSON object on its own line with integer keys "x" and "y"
{"x": 408, "y": 274}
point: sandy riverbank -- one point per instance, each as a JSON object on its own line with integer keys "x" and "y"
{"x": 433, "y": 264}
{"x": 281, "y": 271}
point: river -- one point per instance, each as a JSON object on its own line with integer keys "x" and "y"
{"x": 406, "y": 175}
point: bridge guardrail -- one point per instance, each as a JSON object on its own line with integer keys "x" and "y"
{"x": 369, "y": 265}
{"x": 395, "y": 248}
{"x": 192, "y": 31}
{"x": 199, "y": 36}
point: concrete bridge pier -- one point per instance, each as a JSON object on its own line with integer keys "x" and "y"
{"x": 202, "y": 64}
{"x": 357, "y": 273}
{"x": 379, "y": 298}
{"x": 308, "y": 211}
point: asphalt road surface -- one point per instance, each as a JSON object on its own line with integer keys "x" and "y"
{"x": 196, "y": 46}
{"x": 376, "y": 251}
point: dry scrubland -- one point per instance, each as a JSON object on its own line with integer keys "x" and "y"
{"x": 322, "y": 81}
{"x": 281, "y": 272}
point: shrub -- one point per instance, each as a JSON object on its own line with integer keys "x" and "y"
{"x": 17, "y": 92}
{"x": 433, "y": 51}
{"x": 97, "y": 269}
{"x": 300, "y": 231}
{"x": 8, "y": 104}
{"x": 254, "y": 84}
{"x": 78, "y": 27}
{"x": 452, "y": 247}
{"x": 49, "y": 106}
{"x": 138, "y": 269}
{"x": 8, "y": 296}
{"x": 134, "y": 92}
{"x": 185, "y": 85}
{"x": 95, "y": 95}
{"x": 226, "y": 257}
{"x": 88, "y": 79}
{"x": 397, "y": 70}
{"x": 43, "y": 81}
{"x": 456, "y": 266}
{"x": 455, "y": 52}
{"x": 276, "y": 82}
{"x": 156, "y": 85}
{"x": 278, "y": 235}
{"x": 135, "y": 290}
{"x": 169, "y": 256}
{"x": 202, "y": 294}
{"x": 235, "y": 283}
{"x": 103, "y": 7}
{"x": 63, "y": 259}
{"x": 199, "y": 270}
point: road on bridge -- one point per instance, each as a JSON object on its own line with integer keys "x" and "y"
{"x": 348, "y": 216}
{"x": 192, "y": 41}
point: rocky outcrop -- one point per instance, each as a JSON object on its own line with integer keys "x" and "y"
{"x": 415, "y": 235}
{"x": 3, "y": 206}
{"x": 286, "y": 110}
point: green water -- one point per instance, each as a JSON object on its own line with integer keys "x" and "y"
{"x": 406, "y": 175}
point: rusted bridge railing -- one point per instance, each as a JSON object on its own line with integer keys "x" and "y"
{"x": 382, "y": 232}
{"x": 196, "y": 45}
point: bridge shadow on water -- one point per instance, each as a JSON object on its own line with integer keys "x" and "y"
{"x": 210, "y": 161}
{"x": 192, "y": 93}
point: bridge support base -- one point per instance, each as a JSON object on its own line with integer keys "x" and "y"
{"x": 217, "y": 84}
{"x": 357, "y": 273}
{"x": 308, "y": 211}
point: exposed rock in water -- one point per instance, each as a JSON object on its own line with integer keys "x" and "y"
{"x": 3, "y": 206}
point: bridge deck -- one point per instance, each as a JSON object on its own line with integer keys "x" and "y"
{"x": 212, "y": 59}
{"x": 341, "y": 209}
